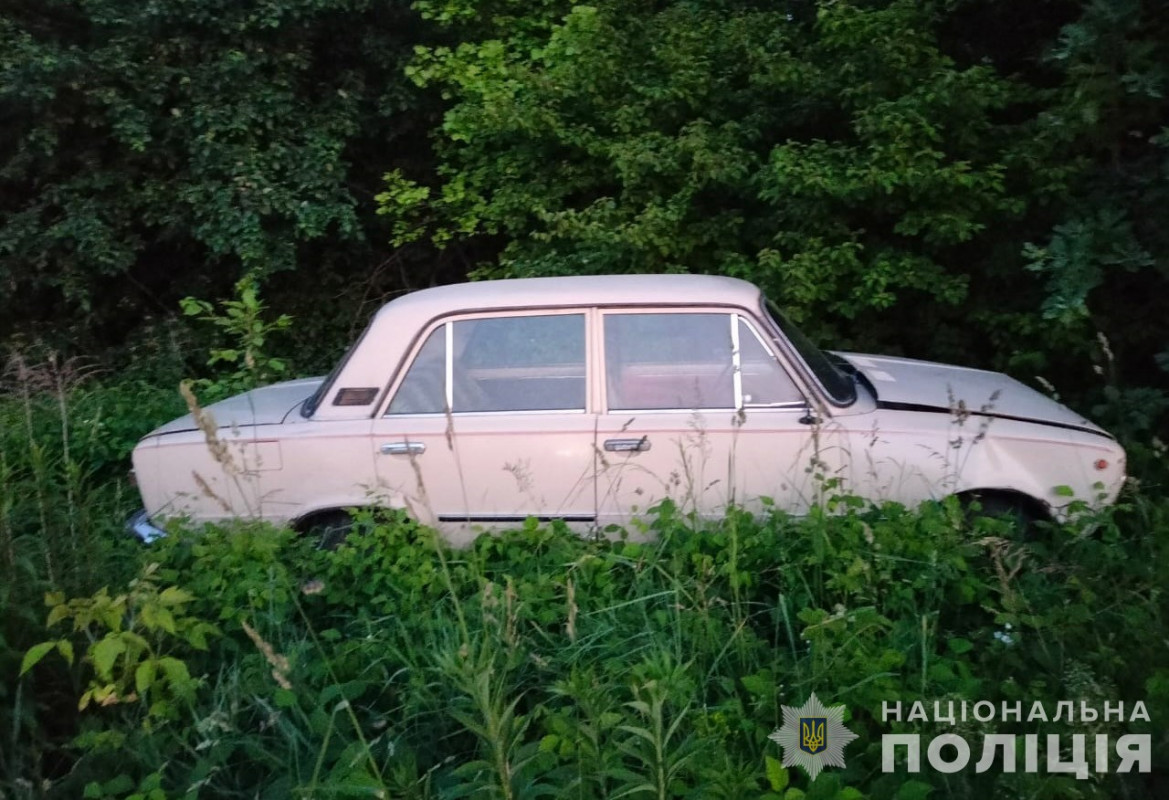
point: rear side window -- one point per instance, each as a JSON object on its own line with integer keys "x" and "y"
{"x": 498, "y": 364}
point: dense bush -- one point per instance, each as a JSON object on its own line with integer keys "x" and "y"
{"x": 993, "y": 171}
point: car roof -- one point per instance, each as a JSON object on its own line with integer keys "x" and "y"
{"x": 576, "y": 290}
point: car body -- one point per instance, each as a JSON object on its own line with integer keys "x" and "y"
{"x": 592, "y": 399}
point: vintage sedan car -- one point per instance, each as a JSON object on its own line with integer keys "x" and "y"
{"x": 592, "y": 399}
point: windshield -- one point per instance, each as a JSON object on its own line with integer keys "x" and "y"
{"x": 836, "y": 383}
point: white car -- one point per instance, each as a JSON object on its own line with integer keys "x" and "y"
{"x": 593, "y": 399}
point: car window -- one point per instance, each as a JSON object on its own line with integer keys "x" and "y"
{"x": 840, "y": 387}
{"x": 765, "y": 382}
{"x": 668, "y": 361}
{"x": 503, "y": 342}
{"x": 534, "y": 363}
{"x": 530, "y": 363}
{"x": 423, "y": 391}
{"x": 688, "y": 361}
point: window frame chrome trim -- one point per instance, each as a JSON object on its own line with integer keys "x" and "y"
{"x": 448, "y": 377}
{"x": 778, "y": 363}
{"x": 736, "y": 363}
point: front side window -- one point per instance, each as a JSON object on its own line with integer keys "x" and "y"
{"x": 669, "y": 361}
{"x": 690, "y": 361}
{"x": 764, "y": 382}
{"x": 532, "y": 363}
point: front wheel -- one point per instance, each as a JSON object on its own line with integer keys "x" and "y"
{"x": 327, "y": 531}
{"x": 1019, "y": 512}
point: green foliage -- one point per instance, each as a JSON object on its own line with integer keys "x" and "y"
{"x": 1077, "y": 256}
{"x": 165, "y": 149}
{"x": 242, "y": 322}
{"x": 538, "y": 662}
{"x": 127, "y": 640}
{"x": 840, "y": 159}
{"x": 65, "y": 432}
{"x": 64, "y": 438}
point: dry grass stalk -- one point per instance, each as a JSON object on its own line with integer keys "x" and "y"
{"x": 30, "y": 381}
{"x": 205, "y": 420}
{"x": 570, "y": 628}
{"x": 278, "y": 662}
{"x": 220, "y": 453}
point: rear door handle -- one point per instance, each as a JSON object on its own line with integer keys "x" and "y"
{"x": 403, "y": 448}
{"x": 627, "y": 445}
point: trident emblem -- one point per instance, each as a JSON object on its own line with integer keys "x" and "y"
{"x": 813, "y": 736}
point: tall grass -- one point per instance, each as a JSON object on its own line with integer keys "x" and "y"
{"x": 64, "y": 434}
{"x": 537, "y": 662}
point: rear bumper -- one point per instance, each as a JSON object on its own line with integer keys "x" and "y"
{"x": 141, "y": 528}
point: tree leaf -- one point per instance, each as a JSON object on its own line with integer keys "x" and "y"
{"x": 914, "y": 790}
{"x": 105, "y": 652}
{"x": 959, "y": 645}
{"x": 144, "y": 676}
{"x": 34, "y": 655}
{"x": 777, "y": 776}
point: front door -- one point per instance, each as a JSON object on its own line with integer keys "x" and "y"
{"x": 698, "y": 410}
{"x": 491, "y": 424}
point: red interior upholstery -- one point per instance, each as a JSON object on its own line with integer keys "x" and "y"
{"x": 660, "y": 386}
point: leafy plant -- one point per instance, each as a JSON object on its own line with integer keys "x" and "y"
{"x": 127, "y": 641}
{"x": 242, "y": 322}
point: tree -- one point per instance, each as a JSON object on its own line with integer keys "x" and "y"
{"x": 834, "y": 154}
{"x": 154, "y": 150}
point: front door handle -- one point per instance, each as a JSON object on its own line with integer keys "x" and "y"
{"x": 627, "y": 445}
{"x": 403, "y": 448}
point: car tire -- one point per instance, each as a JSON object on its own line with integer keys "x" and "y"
{"x": 327, "y": 531}
{"x": 1015, "y": 510}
